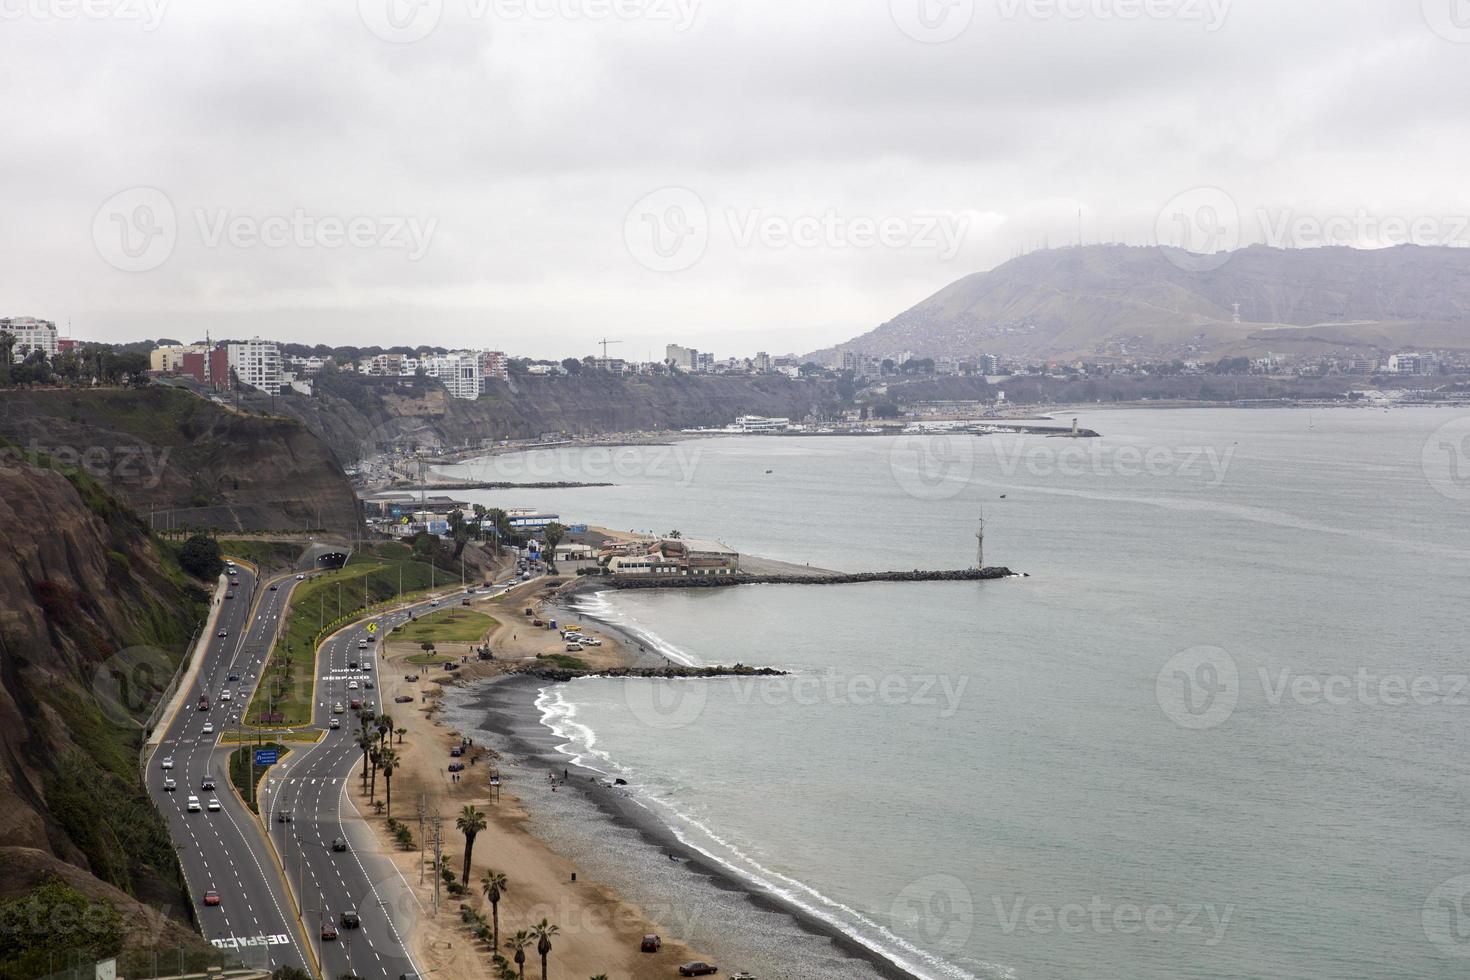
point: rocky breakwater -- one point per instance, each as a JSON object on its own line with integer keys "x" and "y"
{"x": 850, "y": 578}
{"x": 673, "y": 671}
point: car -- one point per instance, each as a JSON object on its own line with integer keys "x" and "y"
{"x": 169, "y": 785}
{"x": 213, "y": 805}
{"x": 456, "y": 752}
{"x": 222, "y": 634}
{"x": 233, "y": 678}
{"x": 367, "y": 685}
{"x": 211, "y": 897}
{"x": 283, "y": 816}
{"x": 574, "y": 648}
{"x": 193, "y": 804}
{"x": 355, "y": 704}
{"x": 339, "y": 845}
{"x": 537, "y": 622}
{"x": 329, "y": 930}
{"x": 301, "y": 578}
{"x": 367, "y": 665}
{"x": 335, "y": 724}
{"x": 698, "y": 968}
{"x": 651, "y": 944}
{"x": 167, "y": 762}
{"x": 224, "y": 696}
{"x": 352, "y": 665}
{"x": 337, "y": 708}
{"x": 207, "y": 784}
{"x": 403, "y": 699}
{"x": 350, "y": 919}
{"x": 352, "y": 685}
{"x": 274, "y": 587}
{"x": 362, "y": 644}
{"x": 434, "y": 602}
{"x": 456, "y": 767}
{"x": 590, "y": 641}
{"x": 209, "y": 728}
{"x": 411, "y": 678}
{"x": 742, "y": 975}
{"x": 229, "y": 595}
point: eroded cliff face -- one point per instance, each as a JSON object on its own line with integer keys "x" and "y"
{"x": 178, "y": 459}
{"x": 356, "y": 416}
{"x": 94, "y": 617}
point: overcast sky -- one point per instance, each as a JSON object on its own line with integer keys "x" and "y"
{"x": 733, "y": 175}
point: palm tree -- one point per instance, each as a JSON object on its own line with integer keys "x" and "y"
{"x": 494, "y": 884}
{"x": 543, "y": 931}
{"x": 364, "y": 742}
{"x": 470, "y": 823}
{"x": 374, "y": 755}
{"x": 676, "y": 535}
{"x": 600, "y": 976}
{"x": 401, "y": 732}
{"x": 552, "y": 533}
{"x": 519, "y": 942}
{"x": 385, "y": 725}
{"x": 387, "y": 758}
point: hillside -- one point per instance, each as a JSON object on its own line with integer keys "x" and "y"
{"x": 186, "y": 460}
{"x": 358, "y": 415}
{"x": 86, "y": 596}
{"x": 1116, "y": 301}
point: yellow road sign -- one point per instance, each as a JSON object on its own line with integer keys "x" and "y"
{"x": 372, "y": 627}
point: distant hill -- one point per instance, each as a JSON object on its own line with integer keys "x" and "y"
{"x": 1107, "y": 301}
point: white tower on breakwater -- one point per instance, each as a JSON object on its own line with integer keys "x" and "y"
{"x": 980, "y": 544}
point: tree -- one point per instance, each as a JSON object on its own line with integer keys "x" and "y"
{"x": 364, "y": 742}
{"x": 375, "y": 756}
{"x": 572, "y": 366}
{"x": 500, "y": 521}
{"x": 200, "y": 557}
{"x": 519, "y": 942}
{"x": 543, "y": 931}
{"x": 7, "y": 355}
{"x": 676, "y": 535}
{"x": 401, "y": 732}
{"x": 388, "y": 759}
{"x": 470, "y": 823}
{"x": 494, "y": 885}
{"x": 553, "y": 534}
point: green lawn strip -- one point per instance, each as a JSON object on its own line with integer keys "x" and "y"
{"x": 319, "y": 607}
{"x": 563, "y": 660}
{"x": 429, "y": 659}
{"x": 445, "y": 626}
{"x": 240, "y": 770}
{"x": 268, "y": 556}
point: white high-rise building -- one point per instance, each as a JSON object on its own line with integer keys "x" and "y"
{"x": 459, "y": 372}
{"x": 30, "y": 335}
{"x": 683, "y": 358}
{"x": 257, "y": 363}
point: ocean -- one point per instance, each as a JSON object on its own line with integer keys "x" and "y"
{"x": 1218, "y": 731}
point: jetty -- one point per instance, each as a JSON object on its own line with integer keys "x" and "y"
{"x": 832, "y": 578}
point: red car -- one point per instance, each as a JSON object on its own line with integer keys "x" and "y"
{"x": 329, "y": 931}
{"x": 211, "y": 897}
{"x": 651, "y": 944}
{"x": 697, "y": 969}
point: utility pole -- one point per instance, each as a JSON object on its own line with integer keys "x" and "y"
{"x": 980, "y": 544}
{"x": 438, "y": 857}
{"x": 421, "y": 839}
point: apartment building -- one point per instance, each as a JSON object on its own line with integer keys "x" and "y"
{"x": 31, "y": 334}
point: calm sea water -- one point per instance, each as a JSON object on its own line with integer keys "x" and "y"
{"x": 1221, "y": 731}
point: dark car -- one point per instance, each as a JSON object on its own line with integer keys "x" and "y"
{"x": 350, "y": 920}
{"x": 329, "y": 930}
{"x": 211, "y": 897}
{"x": 456, "y": 767}
{"x": 698, "y": 968}
{"x": 339, "y": 845}
{"x": 207, "y": 783}
{"x": 411, "y": 677}
{"x": 283, "y": 817}
{"x": 234, "y": 677}
{"x": 457, "y": 751}
{"x": 352, "y": 665}
{"x": 356, "y": 704}
{"x": 403, "y": 699}
{"x": 229, "y": 595}
{"x": 367, "y": 685}
{"x": 651, "y": 944}
{"x": 273, "y": 588}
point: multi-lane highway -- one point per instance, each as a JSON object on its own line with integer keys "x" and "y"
{"x": 222, "y": 851}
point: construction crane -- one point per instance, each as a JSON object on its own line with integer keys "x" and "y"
{"x": 604, "y": 344}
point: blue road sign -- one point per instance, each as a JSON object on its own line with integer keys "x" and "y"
{"x": 265, "y": 757}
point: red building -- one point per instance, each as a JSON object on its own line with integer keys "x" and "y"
{"x": 215, "y": 371}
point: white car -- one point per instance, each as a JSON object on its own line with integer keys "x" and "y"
{"x": 301, "y": 578}
{"x": 209, "y": 728}
{"x": 193, "y": 804}
{"x": 337, "y": 708}
{"x": 352, "y": 685}
{"x": 167, "y": 762}
{"x": 224, "y": 695}
{"x": 213, "y": 805}
{"x": 169, "y": 785}
{"x": 335, "y": 724}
